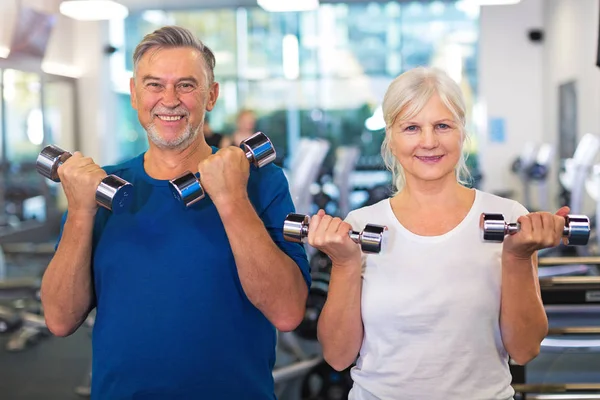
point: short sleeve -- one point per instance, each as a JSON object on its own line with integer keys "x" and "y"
{"x": 273, "y": 203}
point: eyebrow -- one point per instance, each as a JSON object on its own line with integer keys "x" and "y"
{"x": 436, "y": 122}
{"x": 146, "y": 78}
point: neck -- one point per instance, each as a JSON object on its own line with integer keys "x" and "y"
{"x": 165, "y": 164}
{"x": 444, "y": 193}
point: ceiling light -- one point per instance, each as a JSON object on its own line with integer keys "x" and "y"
{"x": 93, "y": 10}
{"x": 288, "y": 5}
{"x": 60, "y": 69}
{"x": 497, "y": 2}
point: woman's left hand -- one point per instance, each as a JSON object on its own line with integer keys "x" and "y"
{"x": 539, "y": 230}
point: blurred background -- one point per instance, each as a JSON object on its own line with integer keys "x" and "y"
{"x": 311, "y": 75}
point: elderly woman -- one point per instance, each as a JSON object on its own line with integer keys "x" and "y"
{"x": 438, "y": 313}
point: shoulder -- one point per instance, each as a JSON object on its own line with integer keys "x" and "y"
{"x": 269, "y": 175}
{"x": 492, "y": 203}
{"x": 124, "y": 165}
{"x": 127, "y": 167}
{"x": 377, "y": 213}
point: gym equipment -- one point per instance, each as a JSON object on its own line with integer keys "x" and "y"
{"x": 113, "y": 193}
{"x": 570, "y": 290}
{"x": 317, "y": 295}
{"x": 346, "y": 158}
{"x": 295, "y": 229}
{"x": 320, "y": 262}
{"x": 568, "y": 294}
{"x": 325, "y": 383}
{"x": 521, "y": 166}
{"x": 304, "y": 171}
{"x": 532, "y": 166}
{"x": 259, "y": 152}
{"x": 9, "y": 319}
{"x": 33, "y": 329}
{"x": 576, "y": 170}
{"x": 576, "y": 229}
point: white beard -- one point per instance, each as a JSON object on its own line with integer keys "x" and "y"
{"x": 180, "y": 142}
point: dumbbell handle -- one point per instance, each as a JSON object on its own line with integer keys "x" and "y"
{"x": 295, "y": 229}
{"x": 354, "y": 235}
{"x": 514, "y": 227}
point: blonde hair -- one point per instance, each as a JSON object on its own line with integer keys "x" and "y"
{"x": 405, "y": 97}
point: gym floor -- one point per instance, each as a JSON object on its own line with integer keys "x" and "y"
{"x": 49, "y": 370}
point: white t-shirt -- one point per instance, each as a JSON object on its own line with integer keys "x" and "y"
{"x": 431, "y": 309}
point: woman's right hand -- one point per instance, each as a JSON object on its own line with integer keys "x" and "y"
{"x": 330, "y": 235}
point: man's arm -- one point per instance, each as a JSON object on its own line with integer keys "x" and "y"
{"x": 270, "y": 278}
{"x": 67, "y": 291}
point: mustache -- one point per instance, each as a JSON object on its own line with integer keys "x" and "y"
{"x": 175, "y": 111}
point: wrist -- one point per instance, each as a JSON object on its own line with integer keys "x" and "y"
{"x": 82, "y": 216}
{"x": 232, "y": 207}
{"x": 517, "y": 260}
{"x": 349, "y": 268}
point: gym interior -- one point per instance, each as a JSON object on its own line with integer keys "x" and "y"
{"x": 314, "y": 80}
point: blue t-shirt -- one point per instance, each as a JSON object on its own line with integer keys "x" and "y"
{"x": 173, "y": 321}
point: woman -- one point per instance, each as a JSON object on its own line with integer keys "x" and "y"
{"x": 438, "y": 313}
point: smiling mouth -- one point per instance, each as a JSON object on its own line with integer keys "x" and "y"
{"x": 170, "y": 118}
{"x": 429, "y": 158}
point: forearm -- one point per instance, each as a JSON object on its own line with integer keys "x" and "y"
{"x": 523, "y": 319}
{"x": 66, "y": 292}
{"x": 340, "y": 328}
{"x": 271, "y": 280}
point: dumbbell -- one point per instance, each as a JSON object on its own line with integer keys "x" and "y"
{"x": 113, "y": 193}
{"x": 576, "y": 230}
{"x": 295, "y": 229}
{"x": 259, "y": 152}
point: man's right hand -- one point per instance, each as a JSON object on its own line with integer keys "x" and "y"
{"x": 80, "y": 177}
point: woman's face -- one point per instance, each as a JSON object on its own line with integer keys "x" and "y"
{"x": 428, "y": 145}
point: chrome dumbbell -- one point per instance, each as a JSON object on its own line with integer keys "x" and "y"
{"x": 259, "y": 152}
{"x": 295, "y": 229}
{"x": 113, "y": 193}
{"x": 576, "y": 230}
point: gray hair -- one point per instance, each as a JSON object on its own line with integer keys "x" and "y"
{"x": 173, "y": 37}
{"x": 405, "y": 97}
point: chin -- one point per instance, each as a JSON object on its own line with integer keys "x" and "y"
{"x": 172, "y": 142}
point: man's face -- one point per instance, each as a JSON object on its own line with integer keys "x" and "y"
{"x": 171, "y": 93}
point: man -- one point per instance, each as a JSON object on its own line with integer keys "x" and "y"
{"x": 187, "y": 300}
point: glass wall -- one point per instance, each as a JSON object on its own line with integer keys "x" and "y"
{"x": 321, "y": 73}
{"x": 35, "y": 110}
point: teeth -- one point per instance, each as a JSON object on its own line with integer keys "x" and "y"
{"x": 170, "y": 117}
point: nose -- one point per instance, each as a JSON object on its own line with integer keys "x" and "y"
{"x": 429, "y": 139}
{"x": 170, "y": 97}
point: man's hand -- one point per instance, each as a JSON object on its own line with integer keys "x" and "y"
{"x": 80, "y": 178}
{"x": 224, "y": 176}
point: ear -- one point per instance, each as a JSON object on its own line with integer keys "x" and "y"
{"x": 213, "y": 95}
{"x": 133, "y": 96}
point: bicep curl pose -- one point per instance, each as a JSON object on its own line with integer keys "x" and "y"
{"x": 438, "y": 312}
{"x": 188, "y": 295}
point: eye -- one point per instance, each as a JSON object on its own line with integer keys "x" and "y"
{"x": 154, "y": 86}
{"x": 186, "y": 87}
{"x": 411, "y": 128}
{"x": 444, "y": 126}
